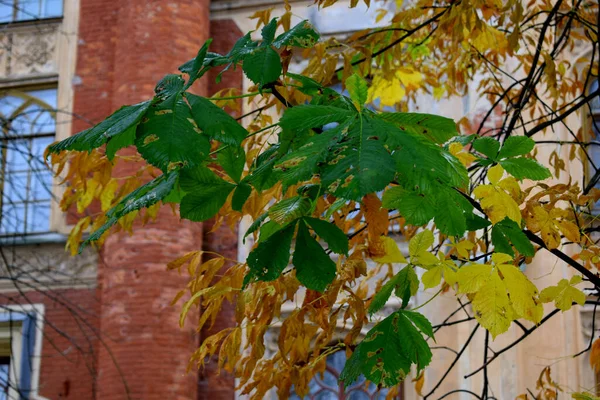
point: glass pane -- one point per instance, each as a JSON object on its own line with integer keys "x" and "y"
{"x": 37, "y": 151}
{"x": 17, "y": 155}
{"x": 37, "y": 116}
{"x": 28, "y": 9}
{"x": 41, "y": 185}
{"x": 6, "y": 15}
{"x": 358, "y": 395}
{"x": 13, "y": 219}
{"x": 52, "y": 8}
{"x": 38, "y": 217}
{"x": 15, "y": 187}
{"x": 4, "y": 374}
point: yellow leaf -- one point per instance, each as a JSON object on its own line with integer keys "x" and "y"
{"x": 88, "y": 195}
{"x": 489, "y": 38}
{"x": 496, "y": 203}
{"x": 564, "y": 294}
{"x": 392, "y": 252}
{"x": 501, "y": 258}
{"x": 463, "y": 248}
{"x": 108, "y": 194}
{"x": 472, "y": 277}
{"x": 464, "y": 157}
{"x": 433, "y": 276}
{"x": 75, "y": 236}
{"x": 419, "y": 381}
{"x": 570, "y": 230}
{"x": 495, "y": 174}
{"x": 421, "y": 242}
{"x": 523, "y": 293}
{"x": 492, "y": 306}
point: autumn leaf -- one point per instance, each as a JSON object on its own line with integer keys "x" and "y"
{"x": 564, "y": 294}
{"x": 496, "y": 202}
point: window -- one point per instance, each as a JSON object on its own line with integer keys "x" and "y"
{"x": 328, "y": 386}
{"x": 19, "y": 351}
{"x": 28, "y": 126}
{"x": 27, "y": 10}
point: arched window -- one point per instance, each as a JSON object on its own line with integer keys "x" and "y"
{"x": 28, "y": 125}
{"x": 328, "y": 387}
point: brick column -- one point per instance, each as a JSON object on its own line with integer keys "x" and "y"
{"x": 126, "y": 46}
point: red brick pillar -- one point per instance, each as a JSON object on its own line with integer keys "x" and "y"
{"x": 126, "y": 46}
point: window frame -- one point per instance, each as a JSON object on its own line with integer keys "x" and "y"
{"x": 4, "y": 139}
{"x": 21, "y": 328}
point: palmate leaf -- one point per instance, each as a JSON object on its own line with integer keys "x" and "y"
{"x": 215, "y": 122}
{"x": 389, "y": 350}
{"x": 205, "y": 193}
{"x": 357, "y": 87}
{"x": 405, "y": 284}
{"x": 143, "y": 197}
{"x": 124, "y": 120}
{"x": 437, "y": 129}
{"x": 564, "y": 294}
{"x": 232, "y": 159}
{"x": 168, "y": 137}
{"x": 314, "y": 268}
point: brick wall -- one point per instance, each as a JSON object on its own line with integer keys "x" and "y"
{"x": 70, "y": 343}
{"x": 125, "y": 47}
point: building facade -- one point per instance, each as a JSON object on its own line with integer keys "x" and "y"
{"x": 100, "y": 325}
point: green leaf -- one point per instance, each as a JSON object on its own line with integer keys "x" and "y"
{"x": 383, "y": 295}
{"x": 357, "y": 87}
{"x": 194, "y": 68}
{"x": 119, "y": 123}
{"x": 206, "y": 193}
{"x": 289, "y": 209}
{"x": 168, "y": 137}
{"x": 240, "y": 196}
{"x": 516, "y": 146}
{"x": 125, "y": 139}
{"x": 523, "y": 167}
{"x": 262, "y": 66}
{"x": 335, "y": 238}
{"x": 475, "y": 222}
{"x": 307, "y": 116}
{"x": 268, "y": 32}
{"x": 215, "y": 122}
{"x": 169, "y": 86}
{"x": 143, "y": 197}
{"x": 386, "y": 354}
{"x": 255, "y": 225}
{"x": 421, "y": 322}
{"x": 437, "y": 129}
{"x": 233, "y": 160}
{"x": 450, "y": 212}
{"x": 302, "y": 35}
{"x": 268, "y": 260}
{"x": 358, "y": 165}
{"x": 407, "y": 284}
{"x": 487, "y": 146}
{"x": 314, "y": 268}
{"x": 508, "y": 230}
{"x": 416, "y": 209}
{"x": 301, "y": 164}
